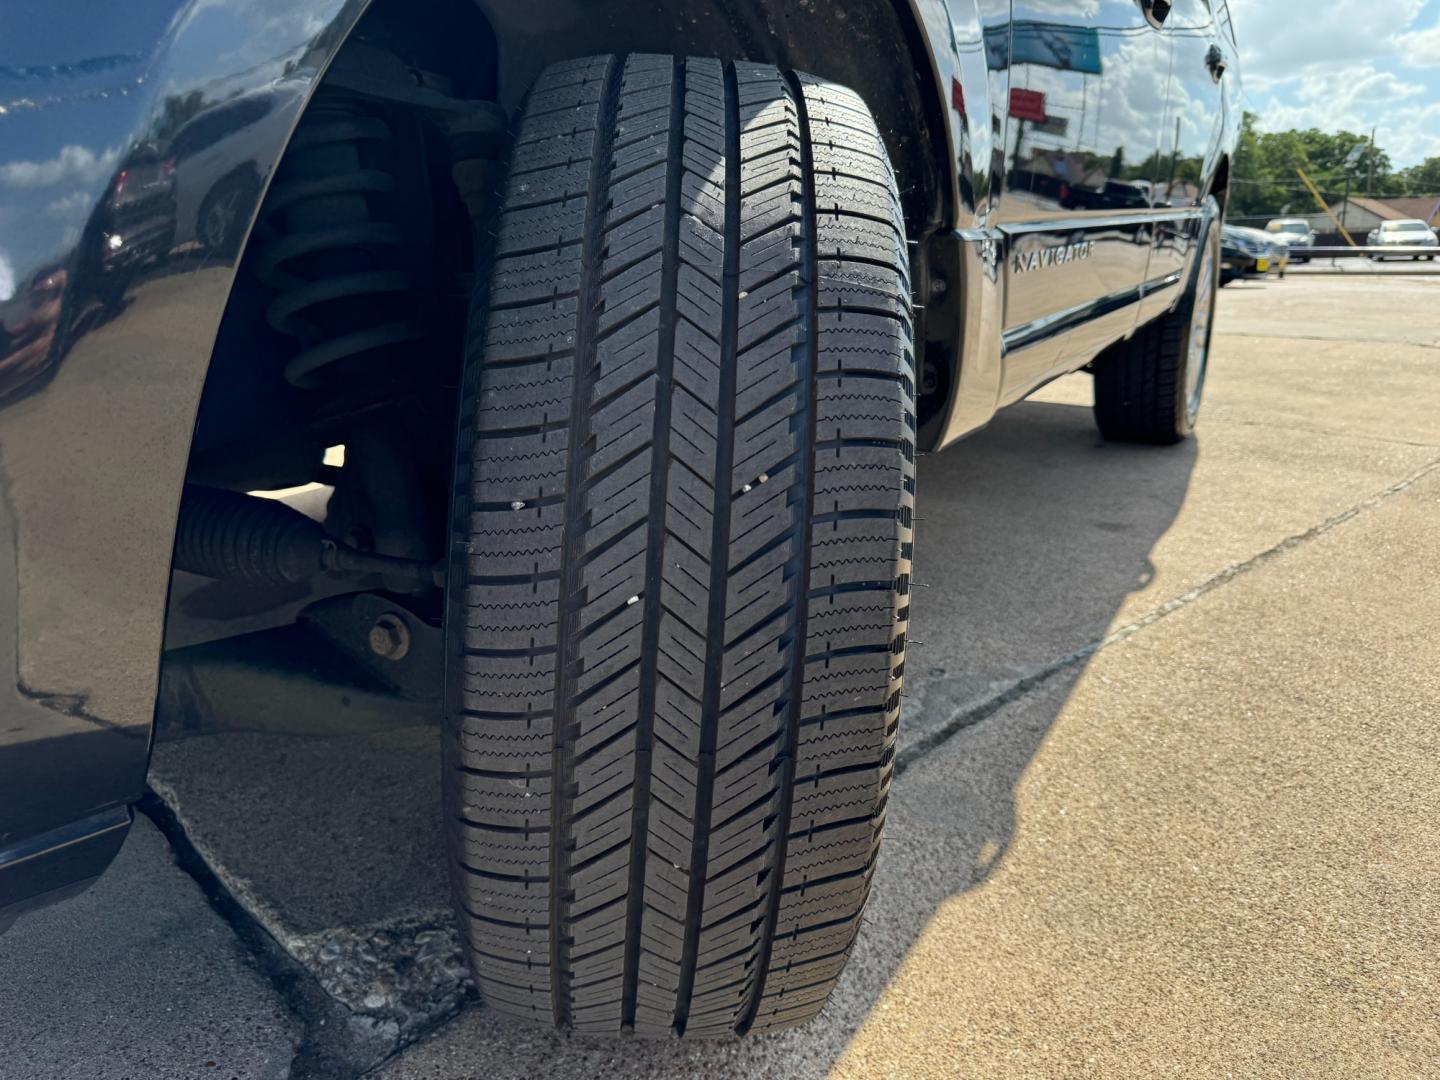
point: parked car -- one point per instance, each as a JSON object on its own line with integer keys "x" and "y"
{"x": 217, "y": 174}
{"x": 1410, "y": 232}
{"x": 1279, "y": 251}
{"x": 1247, "y": 253}
{"x": 133, "y": 227}
{"x": 1112, "y": 195}
{"x": 629, "y": 468}
{"x": 1296, "y": 233}
{"x": 29, "y": 323}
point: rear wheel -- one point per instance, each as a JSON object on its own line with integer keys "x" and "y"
{"x": 1149, "y": 389}
{"x": 681, "y": 553}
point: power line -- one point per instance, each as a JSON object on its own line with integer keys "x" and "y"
{"x": 1333, "y": 183}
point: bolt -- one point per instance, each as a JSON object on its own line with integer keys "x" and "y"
{"x": 390, "y": 637}
{"x": 938, "y": 287}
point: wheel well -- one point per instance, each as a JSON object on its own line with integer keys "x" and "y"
{"x": 492, "y": 51}
{"x": 1220, "y": 185}
{"x": 857, "y": 43}
{"x": 445, "y": 87}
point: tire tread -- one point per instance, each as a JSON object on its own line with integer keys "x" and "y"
{"x": 681, "y": 554}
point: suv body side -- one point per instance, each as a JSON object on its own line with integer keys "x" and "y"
{"x": 1093, "y": 145}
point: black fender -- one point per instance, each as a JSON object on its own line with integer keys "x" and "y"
{"x": 107, "y": 337}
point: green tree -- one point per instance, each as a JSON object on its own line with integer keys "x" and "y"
{"x": 1265, "y": 173}
{"x": 1423, "y": 179}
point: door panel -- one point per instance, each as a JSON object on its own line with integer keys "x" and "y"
{"x": 1191, "y": 136}
{"x": 1087, "y": 107}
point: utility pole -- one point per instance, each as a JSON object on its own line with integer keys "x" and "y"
{"x": 1351, "y": 160}
{"x": 1174, "y": 165}
{"x": 1320, "y": 202}
{"x": 1370, "y": 181}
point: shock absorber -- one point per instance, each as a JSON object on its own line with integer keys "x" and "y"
{"x": 330, "y": 245}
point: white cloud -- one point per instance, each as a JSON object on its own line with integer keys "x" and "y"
{"x": 1135, "y": 96}
{"x": 73, "y": 164}
{"x": 1421, "y": 48}
{"x": 1343, "y": 89}
{"x": 1276, "y": 38}
{"x": 1073, "y": 10}
{"x": 1407, "y": 133}
{"x": 69, "y": 205}
{"x": 1412, "y": 135}
{"x": 7, "y": 278}
{"x": 1337, "y": 66}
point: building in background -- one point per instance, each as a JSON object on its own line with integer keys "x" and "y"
{"x": 1361, "y": 214}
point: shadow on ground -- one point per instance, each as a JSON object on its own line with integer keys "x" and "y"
{"x": 1032, "y": 534}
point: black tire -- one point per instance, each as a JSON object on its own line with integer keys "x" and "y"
{"x": 1142, "y": 393}
{"x": 682, "y": 550}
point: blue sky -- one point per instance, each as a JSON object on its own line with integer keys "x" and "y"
{"x": 1345, "y": 64}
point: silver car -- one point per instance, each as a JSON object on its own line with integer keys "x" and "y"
{"x": 1411, "y": 232}
{"x": 1296, "y": 233}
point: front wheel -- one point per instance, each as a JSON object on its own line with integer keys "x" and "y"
{"x": 1149, "y": 389}
{"x": 680, "y": 564}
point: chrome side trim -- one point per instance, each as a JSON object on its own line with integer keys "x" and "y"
{"x": 1032, "y": 333}
{"x": 1084, "y": 223}
{"x": 1157, "y": 284}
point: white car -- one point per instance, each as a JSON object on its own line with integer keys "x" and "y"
{"x": 1410, "y": 232}
{"x": 1296, "y": 233}
{"x": 218, "y": 167}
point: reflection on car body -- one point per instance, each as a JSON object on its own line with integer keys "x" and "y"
{"x": 218, "y": 167}
{"x": 29, "y": 324}
{"x": 134, "y": 225}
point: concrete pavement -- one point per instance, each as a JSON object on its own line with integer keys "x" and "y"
{"x": 1168, "y": 802}
{"x": 138, "y": 978}
{"x": 1169, "y": 796}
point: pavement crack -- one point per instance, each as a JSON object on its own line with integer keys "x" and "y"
{"x": 1218, "y": 417}
{"x": 1027, "y": 684}
{"x": 1324, "y": 337}
{"x": 334, "y": 1043}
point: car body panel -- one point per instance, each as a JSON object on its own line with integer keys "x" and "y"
{"x": 1109, "y": 132}
{"x": 1087, "y": 103}
{"x": 120, "y": 122}
{"x": 107, "y": 337}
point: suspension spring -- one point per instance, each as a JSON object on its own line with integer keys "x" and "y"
{"x": 329, "y": 245}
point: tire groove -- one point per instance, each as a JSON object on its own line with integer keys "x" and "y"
{"x": 587, "y": 325}
{"x": 800, "y": 573}
{"x": 655, "y": 548}
{"x": 719, "y": 570}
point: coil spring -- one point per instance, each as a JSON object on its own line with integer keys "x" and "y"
{"x": 342, "y": 291}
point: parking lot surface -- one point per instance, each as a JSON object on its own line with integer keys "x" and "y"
{"x": 1168, "y": 798}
